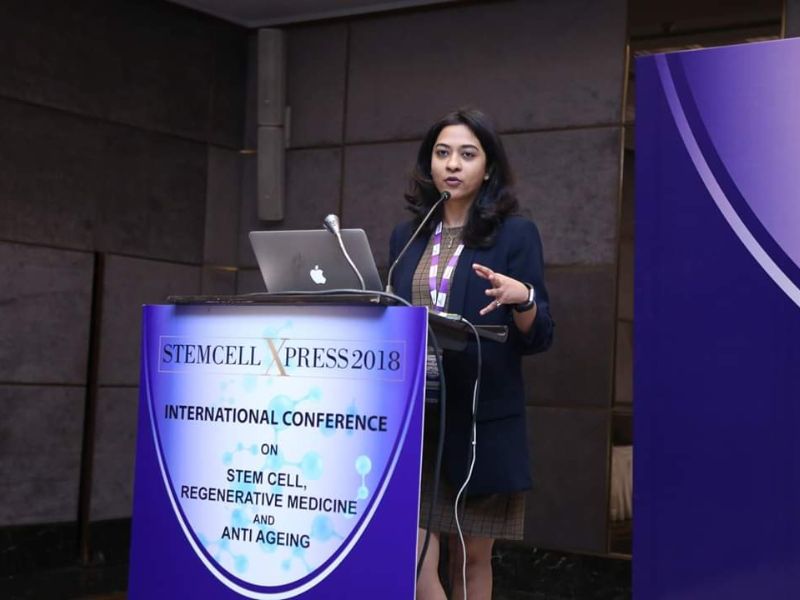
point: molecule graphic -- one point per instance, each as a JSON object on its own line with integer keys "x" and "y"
{"x": 363, "y": 467}
{"x": 270, "y": 393}
{"x": 310, "y": 465}
{"x": 220, "y": 548}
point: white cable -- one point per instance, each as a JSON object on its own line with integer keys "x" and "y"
{"x": 473, "y": 446}
{"x": 350, "y": 262}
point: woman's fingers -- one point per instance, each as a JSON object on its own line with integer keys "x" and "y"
{"x": 493, "y": 305}
{"x": 497, "y": 289}
{"x": 486, "y": 273}
{"x": 504, "y": 289}
{"x": 481, "y": 271}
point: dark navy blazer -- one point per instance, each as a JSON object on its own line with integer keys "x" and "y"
{"x": 502, "y": 463}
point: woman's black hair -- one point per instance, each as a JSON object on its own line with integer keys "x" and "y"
{"x": 495, "y": 199}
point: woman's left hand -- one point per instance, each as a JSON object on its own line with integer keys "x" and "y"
{"x": 503, "y": 290}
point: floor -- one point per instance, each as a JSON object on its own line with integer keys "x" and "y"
{"x": 554, "y": 578}
{"x": 40, "y": 564}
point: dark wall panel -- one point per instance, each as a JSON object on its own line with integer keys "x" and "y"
{"x": 625, "y": 287}
{"x": 151, "y": 196}
{"x": 47, "y": 176}
{"x": 315, "y": 77}
{"x": 114, "y": 452}
{"x": 40, "y": 453}
{"x": 568, "y": 182}
{"x": 313, "y": 180}
{"x": 218, "y": 281}
{"x": 623, "y": 368}
{"x": 226, "y": 113}
{"x": 792, "y": 17}
{"x": 81, "y": 183}
{"x": 45, "y": 301}
{"x": 567, "y": 506}
{"x": 248, "y": 211}
{"x": 148, "y": 64}
{"x": 223, "y": 196}
{"x": 577, "y": 370}
{"x": 129, "y": 283}
{"x": 532, "y": 65}
{"x": 376, "y": 176}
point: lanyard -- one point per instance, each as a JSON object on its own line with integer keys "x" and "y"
{"x": 438, "y": 299}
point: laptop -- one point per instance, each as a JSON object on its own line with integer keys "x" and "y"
{"x": 311, "y": 260}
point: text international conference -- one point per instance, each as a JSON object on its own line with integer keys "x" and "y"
{"x": 289, "y": 418}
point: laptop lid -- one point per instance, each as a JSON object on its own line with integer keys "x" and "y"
{"x": 311, "y": 260}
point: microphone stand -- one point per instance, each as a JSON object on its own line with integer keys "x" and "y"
{"x": 331, "y": 223}
{"x": 445, "y": 196}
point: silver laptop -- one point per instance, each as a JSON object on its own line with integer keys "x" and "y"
{"x": 311, "y": 259}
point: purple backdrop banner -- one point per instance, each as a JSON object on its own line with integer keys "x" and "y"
{"x": 717, "y": 324}
{"x": 278, "y": 452}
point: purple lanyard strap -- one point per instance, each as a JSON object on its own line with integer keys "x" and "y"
{"x": 439, "y": 299}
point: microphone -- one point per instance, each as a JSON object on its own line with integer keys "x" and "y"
{"x": 331, "y": 223}
{"x": 443, "y": 198}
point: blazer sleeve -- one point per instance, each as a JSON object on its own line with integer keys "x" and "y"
{"x": 526, "y": 263}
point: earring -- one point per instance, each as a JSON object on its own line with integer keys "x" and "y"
{"x": 486, "y": 177}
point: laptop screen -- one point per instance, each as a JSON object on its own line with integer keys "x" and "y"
{"x": 311, "y": 260}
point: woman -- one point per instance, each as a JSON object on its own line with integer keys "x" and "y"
{"x": 488, "y": 268}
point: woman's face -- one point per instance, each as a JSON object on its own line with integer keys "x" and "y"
{"x": 458, "y": 163}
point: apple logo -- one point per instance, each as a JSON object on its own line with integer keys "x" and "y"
{"x": 317, "y": 276}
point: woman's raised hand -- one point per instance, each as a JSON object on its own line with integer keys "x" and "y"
{"x": 503, "y": 289}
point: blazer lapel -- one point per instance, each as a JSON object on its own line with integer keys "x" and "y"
{"x": 463, "y": 274}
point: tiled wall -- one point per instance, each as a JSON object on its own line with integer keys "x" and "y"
{"x": 551, "y": 73}
{"x": 120, "y": 134}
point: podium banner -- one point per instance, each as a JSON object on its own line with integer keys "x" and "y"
{"x": 278, "y": 452}
{"x": 717, "y": 324}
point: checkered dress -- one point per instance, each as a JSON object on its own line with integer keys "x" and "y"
{"x": 498, "y": 516}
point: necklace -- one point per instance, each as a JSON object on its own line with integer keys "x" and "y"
{"x": 451, "y": 234}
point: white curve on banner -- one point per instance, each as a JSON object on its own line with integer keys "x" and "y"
{"x": 341, "y": 555}
{"x": 167, "y": 486}
{"x": 714, "y": 189}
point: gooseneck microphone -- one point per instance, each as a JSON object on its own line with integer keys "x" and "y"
{"x": 331, "y": 223}
{"x": 443, "y": 198}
